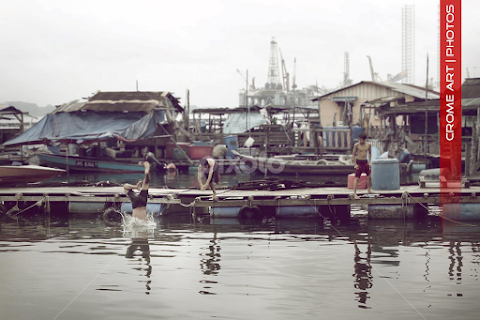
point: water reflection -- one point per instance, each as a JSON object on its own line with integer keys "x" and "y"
{"x": 210, "y": 265}
{"x": 210, "y": 261}
{"x": 455, "y": 259}
{"x": 363, "y": 273}
{"x": 141, "y": 248}
{"x": 303, "y": 266}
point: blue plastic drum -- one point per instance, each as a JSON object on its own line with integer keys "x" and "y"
{"x": 385, "y": 174}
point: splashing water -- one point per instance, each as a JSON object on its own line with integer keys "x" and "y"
{"x": 133, "y": 227}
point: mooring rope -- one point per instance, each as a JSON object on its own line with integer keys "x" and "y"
{"x": 38, "y": 203}
{"x": 441, "y": 216}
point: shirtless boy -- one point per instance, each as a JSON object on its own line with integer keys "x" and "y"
{"x": 209, "y": 168}
{"x": 139, "y": 201}
{"x": 360, "y": 151}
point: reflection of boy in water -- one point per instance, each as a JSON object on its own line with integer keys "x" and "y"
{"x": 363, "y": 274}
{"x": 139, "y": 244}
{"x": 142, "y": 245}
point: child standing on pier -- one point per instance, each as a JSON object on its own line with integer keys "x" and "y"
{"x": 359, "y": 154}
{"x": 209, "y": 168}
{"x": 139, "y": 202}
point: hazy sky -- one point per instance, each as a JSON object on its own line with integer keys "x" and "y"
{"x": 57, "y": 51}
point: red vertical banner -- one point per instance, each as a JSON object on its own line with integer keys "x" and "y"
{"x": 450, "y": 97}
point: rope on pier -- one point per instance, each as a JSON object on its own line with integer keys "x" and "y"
{"x": 191, "y": 204}
{"x": 38, "y": 204}
{"x": 330, "y": 197}
{"x": 441, "y": 216}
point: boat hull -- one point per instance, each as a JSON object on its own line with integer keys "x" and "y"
{"x": 278, "y": 165}
{"x": 82, "y": 164}
{"x": 26, "y": 174}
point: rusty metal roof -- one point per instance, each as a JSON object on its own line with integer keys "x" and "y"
{"x": 136, "y": 101}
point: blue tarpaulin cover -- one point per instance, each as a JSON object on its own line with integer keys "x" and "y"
{"x": 84, "y": 127}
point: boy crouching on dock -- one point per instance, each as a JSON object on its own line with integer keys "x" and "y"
{"x": 209, "y": 168}
{"x": 362, "y": 164}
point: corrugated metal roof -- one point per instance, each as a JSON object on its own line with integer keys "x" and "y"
{"x": 136, "y": 101}
{"x": 218, "y": 111}
{"x": 416, "y": 92}
{"x": 71, "y": 106}
{"x": 469, "y": 106}
{"x": 10, "y": 110}
{"x": 345, "y": 88}
{"x": 349, "y": 99}
{"x": 307, "y": 107}
{"x": 410, "y": 90}
{"x": 471, "y": 102}
{"x": 382, "y": 100}
{"x": 471, "y": 88}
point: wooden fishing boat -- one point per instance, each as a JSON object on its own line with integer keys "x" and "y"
{"x": 76, "y": 163}
{"x": 276, "y": 165}
{"x": 26, "y": 174}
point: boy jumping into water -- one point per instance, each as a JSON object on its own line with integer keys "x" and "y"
{"x": 359, "y": 154}
{"x": 139, "y": 202}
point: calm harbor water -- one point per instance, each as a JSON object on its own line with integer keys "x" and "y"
{"x": 77, "y": 268}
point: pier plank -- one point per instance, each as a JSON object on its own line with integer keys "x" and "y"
{"x": 332, "y": 196}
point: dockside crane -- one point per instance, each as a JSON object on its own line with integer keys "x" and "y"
{"x": 375, "y": 76}
{"x": 294, "y": 81}
{"x": 285, "y": 75}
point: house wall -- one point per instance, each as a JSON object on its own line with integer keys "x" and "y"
{"x": 364, "y": 92}
{"x": 327, "y": 112}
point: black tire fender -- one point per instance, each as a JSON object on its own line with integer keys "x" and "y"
{"x": 252, "y": 212}
{"x": 3, "y": 211}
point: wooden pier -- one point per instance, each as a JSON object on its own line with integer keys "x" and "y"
{"x": 184, "y": 201}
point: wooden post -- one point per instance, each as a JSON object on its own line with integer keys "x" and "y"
{"x": 266, "y": 152}
{"x": 209, "y": 123}
{"x": 425, "y": 146}
{"x": 467, "y": 158}
{"x": 186, "y": 114}
{"x": 67, "y": 166}
{"x": 473, "y": 155}
{"x": 477, "y": 138}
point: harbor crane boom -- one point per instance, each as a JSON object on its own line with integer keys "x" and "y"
{"x": 285, "y": 75}
{"x": 375, "y": 76}
{"x": 294, "y": 84}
